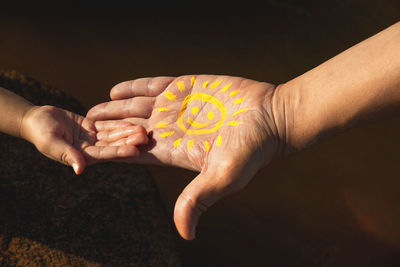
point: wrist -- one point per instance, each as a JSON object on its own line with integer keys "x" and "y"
{"x": 298, "y": 124}
{"x": 25, "y": 122}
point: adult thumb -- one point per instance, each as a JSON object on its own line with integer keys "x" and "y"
{"x": 195, "y": 199}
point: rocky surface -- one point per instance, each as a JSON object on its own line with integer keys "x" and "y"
{"x": 111, "y": 215}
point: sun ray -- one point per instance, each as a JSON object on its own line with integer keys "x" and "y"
{"x": 234, "y": 123}
{"x": 192, "y": 81}
{"x": 165, "y": 134}
{"x": 181, "y": 86}
{"x": 226, "y": 87}
{"x": 190, "y": 144}
{"x": 234, "y": 92}
{"x": 207, "y": 146}
{"x": 162, "y": 109}
{"x": 219, "y": 140}
{"x": 170, "y": 96}
{"x": 162, "y": 124}
{"x": 240, "y": 111}
{"x": 205, "y": 84}
{"x": 177, "y": 142}
{"x": 215, "y": 84}
{"x": 238, "y": 101}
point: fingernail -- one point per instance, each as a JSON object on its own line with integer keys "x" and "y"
{"x": 75, "y": 167}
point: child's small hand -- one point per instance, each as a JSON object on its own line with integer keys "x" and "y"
{"x": 72, "y": 139}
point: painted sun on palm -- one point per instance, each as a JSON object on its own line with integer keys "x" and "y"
{"x": 221, "y": 126}
{"x": 192, "y": 120}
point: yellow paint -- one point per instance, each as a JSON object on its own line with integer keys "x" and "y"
{"x": 203, "y": 98}
{"x": 181, "y": 86}
{"x": 177, "y": 142}
{"x": 240, "y": 111}
{"x": 196, "y": 124}
{"x": 238, "y": 101}
{"x": 165, "y": 134}
{"x": 162, "y": 124}
{"x": 190, "y": 144}
{"x": 215, "y": 84}
{"x": 195, "y": 110}
{"x": 234, "y": 123}
{"x": 219, "y": 140}
{"x": 205, "y": 84}
{"x": 234, "y": 92}
{"x": 170, "y": 96}
{"x": 210, "y": 115}
{"x": 192, "y": 81}
{"x": 162, "y": 109}
{"x": 226, "y": 87}
{"x": 207, "y": 146}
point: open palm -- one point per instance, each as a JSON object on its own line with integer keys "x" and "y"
{"x": 221, "y": 126}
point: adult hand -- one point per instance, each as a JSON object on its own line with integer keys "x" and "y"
{"x": 221, "y": 126}
{"x": 72, "y": 139}
{"x": 228, "y": 127}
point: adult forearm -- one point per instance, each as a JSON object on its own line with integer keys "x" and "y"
{"x": 12, "y": 110}
{"x": 360, "y": 82}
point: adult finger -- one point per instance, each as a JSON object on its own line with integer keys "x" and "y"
{"x": 138, "y": 121}
{"x": 140, "y": 87}
{"x": 140, "y": 107}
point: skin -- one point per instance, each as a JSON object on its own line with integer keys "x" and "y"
{"x": 223, "y": 169}
{"x": 65, "y": 136}
{"x": 361, "y": 82}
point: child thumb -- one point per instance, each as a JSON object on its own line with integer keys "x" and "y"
{"x": 65, "y": 153}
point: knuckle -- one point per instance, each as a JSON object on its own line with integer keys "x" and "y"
{"x": 48, "y": 107}
{"x": 194, "y": 202}
{"x": 150, "y": 83}
{"x": 132, "y": 85}
{"x": 65, "y": 155}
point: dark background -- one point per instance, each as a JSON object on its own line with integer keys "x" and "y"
{"x": 336, "y": 204}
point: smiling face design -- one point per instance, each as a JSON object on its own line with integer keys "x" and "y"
{"x": 192, "y": 126}
{"x": 189, "y": 120}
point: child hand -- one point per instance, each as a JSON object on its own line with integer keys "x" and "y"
{"x": 71, "y": 139}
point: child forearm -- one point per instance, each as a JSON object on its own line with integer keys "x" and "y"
{"x": 12, "y": 111}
